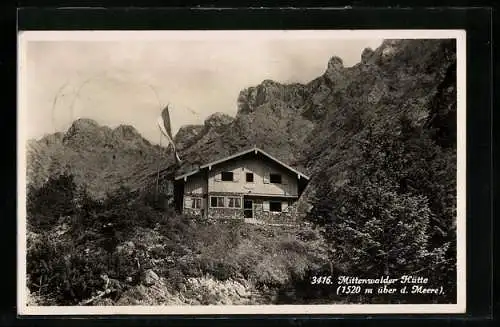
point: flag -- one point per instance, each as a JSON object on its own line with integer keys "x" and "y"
{"x": 165, "y": 128}
{"x": 165, "y": 115}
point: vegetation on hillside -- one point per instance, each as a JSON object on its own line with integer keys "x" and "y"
{"x": 378, "y": 139}
{"x": 128, "y": 235}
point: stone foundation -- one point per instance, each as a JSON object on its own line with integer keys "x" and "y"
{"x": 287, "y": 217}
{"x": 193, "y": 212}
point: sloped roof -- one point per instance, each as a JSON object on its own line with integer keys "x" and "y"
{"x": 239, "y": 154}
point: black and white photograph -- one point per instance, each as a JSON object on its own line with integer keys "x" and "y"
{"x": 241, "y": 172}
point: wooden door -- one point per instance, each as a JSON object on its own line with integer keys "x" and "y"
{"x": 248, "y": 208}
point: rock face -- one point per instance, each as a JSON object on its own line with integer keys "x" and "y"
{"x": 229, "y": 292}
{"x": 366, "y": 55}
{"x": 150, "y": 278}
{"x": 250, "y": 99}
{"x": 101, "y": 158}
{"x": 335, "y": 69}
{"x": 414, "y": 78}
{"x": 187, "y": 135}
{"x": 217, "y": 121}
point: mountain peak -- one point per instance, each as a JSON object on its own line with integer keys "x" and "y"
{"x": 335, "y": 63}
{"x": 84, "y": 123}
{"x": 81, "y": 126}
{"x": 335, "y": 68}
{"x": 269, "y": 82}
{"x": 187, "y": 135}
{"x": 366, "y": 55}
{"x": 389, "y": 48}
{"x": 126, "y": 131}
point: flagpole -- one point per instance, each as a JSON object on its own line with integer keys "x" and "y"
{"x": 166, "y": 130}
{"x": 158, "y": 170}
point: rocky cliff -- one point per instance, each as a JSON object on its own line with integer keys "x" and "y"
{"x": 101, "y": 158}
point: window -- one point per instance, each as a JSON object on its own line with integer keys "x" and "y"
{"x": 234, "y": 202}
{"x": 196, "y": 203}
{"x": 188, "y": 202}
{"x": 275, "y": 178}
{"x": 275, "y": 206}
{"x": 227, "y": 176}
{"x": 217, "y": 202}
{"x": 249, "y": 177}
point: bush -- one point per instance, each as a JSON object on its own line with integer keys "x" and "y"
{"x": 175, "y": 278}
{"x": 122, "y": 236}
{"x": 71, "y": 275}
{"x": 158, "y": 201}
{"x": 66, "y": 274}
{"x": 221, "y": 269}
{"x": 55, "y": 199}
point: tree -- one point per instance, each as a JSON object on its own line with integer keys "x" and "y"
{"x": 379, "y": 221}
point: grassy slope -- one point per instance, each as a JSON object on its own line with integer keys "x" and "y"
{"x": 244, "y": 264}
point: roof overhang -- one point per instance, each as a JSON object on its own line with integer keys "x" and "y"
{"x": 258, "y": 195}
{"x": 239, "y": 154}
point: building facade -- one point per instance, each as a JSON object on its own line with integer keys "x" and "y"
{"x": 251, "y": 184}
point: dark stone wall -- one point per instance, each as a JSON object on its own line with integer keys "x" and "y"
{"x": 288, "y": 217}
{"x": 193, "y": 212}
{"x": 225, "y": 213}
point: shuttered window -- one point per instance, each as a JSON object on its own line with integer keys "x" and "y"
{"x": 188, "y": 202}
{"x": 284, "y": 206}
{"x": 266, "y": 178}
{"x": 265, "y": 205}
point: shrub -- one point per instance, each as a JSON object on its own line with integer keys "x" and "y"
{"x": 71, "y": 275}
{"x": 69, "y": 269}
{"x": 174, "y": 278}
{"x": 158, "y": 201}
{"x": 110, "y": 237}
{"x": 224, "y": 269}
{"x": 67, "y": 274}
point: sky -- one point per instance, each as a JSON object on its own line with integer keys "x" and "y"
{"x": 129, "y": 81}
